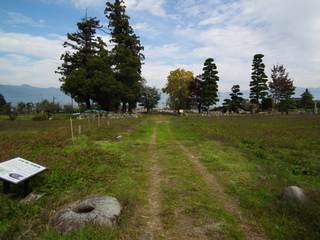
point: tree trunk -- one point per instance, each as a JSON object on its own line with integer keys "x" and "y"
{"x": 88, "y": 104}
{"x": 130, "y": 107}
{"x": 124, "y": 107}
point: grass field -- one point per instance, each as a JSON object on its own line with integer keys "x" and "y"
{"x": 229, "y": 147}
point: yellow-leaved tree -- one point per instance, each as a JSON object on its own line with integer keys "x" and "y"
{"x": 177, "y": 87}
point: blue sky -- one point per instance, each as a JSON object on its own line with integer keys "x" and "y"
{"x": 175, "y": 34}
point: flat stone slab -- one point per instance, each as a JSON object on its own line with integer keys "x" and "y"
{"x": 101, "y": 210}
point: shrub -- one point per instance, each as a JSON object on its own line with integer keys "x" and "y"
{"x": 39, "y": 117}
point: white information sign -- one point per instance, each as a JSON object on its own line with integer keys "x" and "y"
{"x": 18, "y": 170}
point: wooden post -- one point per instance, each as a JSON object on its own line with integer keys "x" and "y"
{"x": 71, "y": 130}
{"x": 79, "y": 129}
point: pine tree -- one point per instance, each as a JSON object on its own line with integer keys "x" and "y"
{"x": 306, "y": 99}
{"x": 126, "y": 51}
{"x": 258, "y": 84}
{"x": 210, "y": 86}
{"x": 76, "y": 78}
{"x": 236, "y": 98}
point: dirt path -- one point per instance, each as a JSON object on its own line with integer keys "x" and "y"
{"x": 152, "y": 212}
{"x": 185, "y": 228}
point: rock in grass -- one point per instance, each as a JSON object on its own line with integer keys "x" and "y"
{"x": 294, "y": 193}
{"x": 260, "y": 168}
{"x": 101, "y": 210}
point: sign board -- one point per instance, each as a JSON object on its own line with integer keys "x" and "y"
{"x": 18, "y": 170}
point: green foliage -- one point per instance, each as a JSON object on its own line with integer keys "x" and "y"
{"x": 150, "y": 97}
{"x": 306, "y": 99}
{"x": 178, "y": 86}
{"x": 39, "y": 117}
{"x": 47, "y": 107}
{"x": 210, "y": 85}
{"x": 126, "y": 52}
{"x": 267, "y": 103}
{"x": 80, "y": 67}
{"x": 90, "y": 72}
{"x": 13, "y": 112}
{"x": 258, "y": 84}
{"x": 2, "y": 103}
{"x": 235, "y": 103}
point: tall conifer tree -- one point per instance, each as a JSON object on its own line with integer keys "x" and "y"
{"x": 76, "y": 78}
{"x": 209, "y": 84}
{"x": 127, "y": 54}
{"x": 258, "y": 84}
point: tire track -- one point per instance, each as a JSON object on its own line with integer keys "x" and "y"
{"x": 252, "y": 231}
{"x": 152, "y": 212}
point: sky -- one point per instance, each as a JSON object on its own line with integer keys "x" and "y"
{"x": 174, "y": 33}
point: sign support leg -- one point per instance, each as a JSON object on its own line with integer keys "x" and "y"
{"x": 6, "y": 187}
{"x": 26, "y": 187}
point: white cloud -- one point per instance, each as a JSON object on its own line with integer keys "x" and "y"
{"x": 27, "y": 44}
{"x": 78, "y": 3}
{"x": 155, "y": 7}
{"x": 146, "y": 30}
{"x": 17, "y": 19}
{"x": 168, "y": 50}
{"x": 16, "y": 70}
{"x": 183, "y": 33}
{"x": 29, "y": 59}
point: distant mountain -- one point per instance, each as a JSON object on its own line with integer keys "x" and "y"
{"x": 26, "y": 93}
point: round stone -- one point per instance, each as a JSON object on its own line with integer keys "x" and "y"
{"x": 101, "y": 210}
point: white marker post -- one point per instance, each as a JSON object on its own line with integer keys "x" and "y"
{"x": 71, "y": 131}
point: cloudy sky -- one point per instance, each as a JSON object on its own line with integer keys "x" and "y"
{"x": 175, "y": 34}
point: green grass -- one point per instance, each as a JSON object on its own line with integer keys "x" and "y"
{"x": 288, "y": 147}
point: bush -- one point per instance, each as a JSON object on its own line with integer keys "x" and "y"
{"x": 39, "y": 117}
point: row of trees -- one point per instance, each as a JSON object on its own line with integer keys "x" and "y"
{"x": 45, "y": 106}
{"x": 185, "y": 90}
{"x": 92, "y": 72}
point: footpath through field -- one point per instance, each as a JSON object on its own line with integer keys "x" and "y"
{"x": 185, "y": 201}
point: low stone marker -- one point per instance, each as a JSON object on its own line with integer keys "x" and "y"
{"x": 17, "y": 170}
{"x": 101, "y": 210}
{"x": 294, "y": 193}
